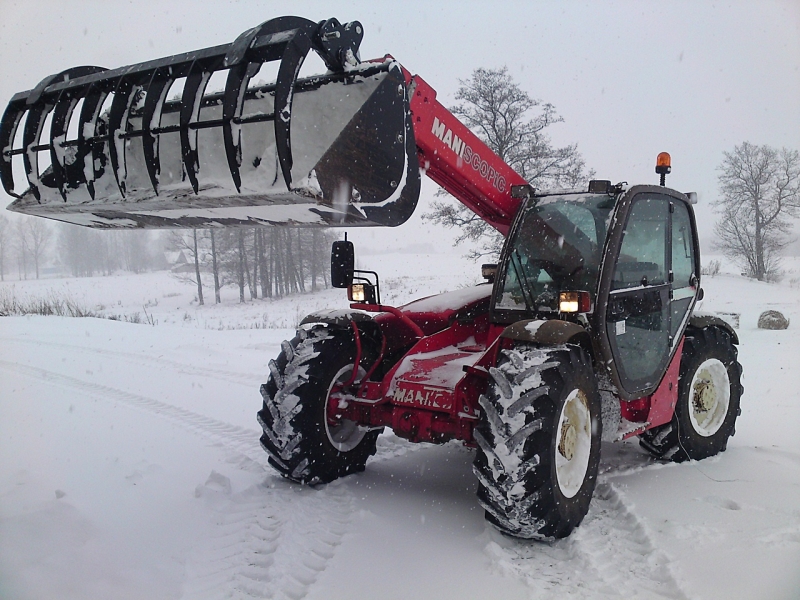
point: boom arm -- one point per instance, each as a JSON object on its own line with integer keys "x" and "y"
{"x": 455, "y": 158}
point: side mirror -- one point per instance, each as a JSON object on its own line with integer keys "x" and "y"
{"x": 488, "y": 272}
{"x": 522, "y": 192}
{"x": 343, "y": 261}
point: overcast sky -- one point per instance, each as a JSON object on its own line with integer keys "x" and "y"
{"x": 630, "y": 79}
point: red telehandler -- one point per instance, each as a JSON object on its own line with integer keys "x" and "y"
{"x": 583, "y": 332}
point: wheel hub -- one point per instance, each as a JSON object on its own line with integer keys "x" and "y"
{"x": 573, "y": 443}
{"x": 569, "y": 437}
{"x": 703, "y": 396}
{"x": 709, "y": 397}
{"x": 343, "y": 434}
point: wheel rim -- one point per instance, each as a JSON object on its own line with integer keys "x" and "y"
{"x": 709, "y": 397}
{"x": 573, "y": 443}
{"x": 343, "y": 434}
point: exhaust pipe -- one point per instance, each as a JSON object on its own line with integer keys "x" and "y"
{"x": 333, "y": 149}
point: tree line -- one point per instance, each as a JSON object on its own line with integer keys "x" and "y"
{"x": 25, "y": 244}
{"x": 261, "y": 262}
{"x": 29, "y": 244}
{"x": 270, "y": 262}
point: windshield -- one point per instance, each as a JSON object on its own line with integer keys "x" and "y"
{"x": 557, "y": 247}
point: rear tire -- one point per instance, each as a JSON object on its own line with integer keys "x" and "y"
{"x": 539, "y": 441}
{"x": 709, "y": 391}
{"x": 302, "y": 443}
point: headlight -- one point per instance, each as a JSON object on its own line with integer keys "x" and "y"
{"x": 574, "y": 302}
{"x": 363, "y": 293}
{"x": 357, "y": 292}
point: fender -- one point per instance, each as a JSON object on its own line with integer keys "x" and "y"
{"x": 353, "y": 322}
{"x": 704, "y": 321}
{"x": 361, "y": 328}
{"x": 338, "y": 319}
{"x": 551, "y": 332}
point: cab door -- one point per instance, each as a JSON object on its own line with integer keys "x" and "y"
{"x": 649, "y": 285}
{"x": 638, "y": 315}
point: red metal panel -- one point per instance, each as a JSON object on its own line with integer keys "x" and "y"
{"x": 664, "y": 399}
{"x": 635, "y": 411}
{"x": 658, "y": 408}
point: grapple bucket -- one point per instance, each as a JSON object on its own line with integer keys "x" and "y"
{"x": 333, "y": 149}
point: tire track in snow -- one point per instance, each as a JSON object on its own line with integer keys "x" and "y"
{"x": 616, "y": 544}
{"x": 143, "y": 359}
{"x": 275, "y": 539}
{"x": 609, "y": 556}
{"x": 271, "y": 540}
{"x": 238, "y": 440}
{"x": 389, "y": 446}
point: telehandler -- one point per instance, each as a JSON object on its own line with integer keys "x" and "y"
{"x": 584, "y": 331}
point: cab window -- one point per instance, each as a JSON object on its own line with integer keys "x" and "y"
{"x": 643, "y": 258}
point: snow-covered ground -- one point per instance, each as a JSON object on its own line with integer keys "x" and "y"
{"x": 130, "y": 468}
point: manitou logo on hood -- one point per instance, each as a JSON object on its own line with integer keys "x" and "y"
{"x": 468, "y": 155}
{"x": 423, "y": 396}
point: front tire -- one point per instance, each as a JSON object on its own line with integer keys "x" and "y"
{"x": 539, "y": 441}
{"x": 304, "y": 443}
{"x": 709, "y": 391}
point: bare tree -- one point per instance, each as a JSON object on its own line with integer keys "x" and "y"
{"x": 512, "y": 124}
{"x": 197, "y": 268}
{"x": 180, "y": 241}
{"x": 214, "y": 266}
{"x": 760, "y": 189}
{"x": 5, "y": 239}
{"x": 21, "y": 250}
{"x": 134, "y": 246}
{"x": 241, "y": 267}
{"x": 34, "y": 239}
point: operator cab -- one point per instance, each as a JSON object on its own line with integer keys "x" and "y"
{"x": 622, "y": 262}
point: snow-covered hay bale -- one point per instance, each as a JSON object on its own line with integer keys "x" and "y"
{"x": 772, "y": 319}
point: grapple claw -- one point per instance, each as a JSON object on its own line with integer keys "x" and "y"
{"x": 332, "y": 149}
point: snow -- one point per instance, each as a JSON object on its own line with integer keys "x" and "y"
{"x": 131, "y": 468}
{"x": 451, "y": 300}
{"x": 534, "y": 326}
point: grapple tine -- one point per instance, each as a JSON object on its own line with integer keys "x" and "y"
{"x": 235, "y": 86}
{"x": 293, "y": 56}
{"x": 124, "y": 95}
{"x": 8, "y": 131}
{"x": 30, "y": 138}
{"x": 155, "y": 94}
{"x": 62, "y": 113}
{"x": 58, "y": 130}
{"x": 193, "y": 91}
{"x": 87, "y": 147}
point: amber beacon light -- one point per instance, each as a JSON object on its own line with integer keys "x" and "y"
{"x": 663, "y": 165}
